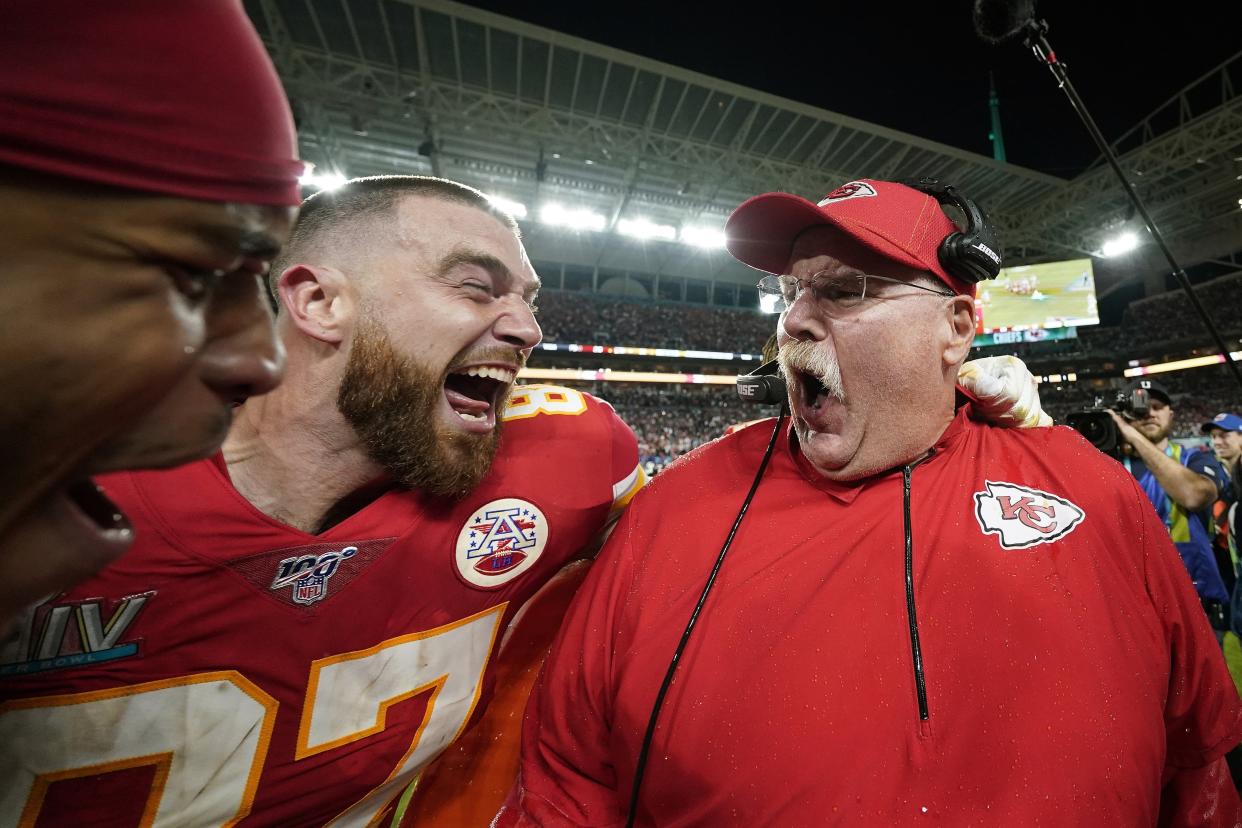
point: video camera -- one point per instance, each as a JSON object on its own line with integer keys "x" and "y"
{"x": 1098, "y": 427}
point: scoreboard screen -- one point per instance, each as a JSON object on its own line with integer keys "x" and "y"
{"x": 1042, "y": 296}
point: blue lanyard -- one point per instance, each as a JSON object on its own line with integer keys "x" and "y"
{"x": 1155, "y": 492}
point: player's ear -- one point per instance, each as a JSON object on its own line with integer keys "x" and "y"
{"x": 960, "y": 319}
{"x": 318, "y": 301}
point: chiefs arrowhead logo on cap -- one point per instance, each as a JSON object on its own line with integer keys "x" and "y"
{"x": 854, "y": 189}
{"x": 1023, "y": 517}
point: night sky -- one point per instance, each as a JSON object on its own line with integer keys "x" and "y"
{"x": 920, "y": 68}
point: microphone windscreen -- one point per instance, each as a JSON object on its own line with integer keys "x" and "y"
{"x": 999, "y": 20}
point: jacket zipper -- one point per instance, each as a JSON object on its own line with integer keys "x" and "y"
{"x": 916, "y": 651}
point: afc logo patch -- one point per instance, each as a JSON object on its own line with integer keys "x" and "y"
{"x": 1023, "y": 517}
{"x": 501, "y": 540}
{"x": 854, "y": 189}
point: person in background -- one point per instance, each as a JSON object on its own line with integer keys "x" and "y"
{"x": 1182, "y": 484}
{"x": 1225, "y": 431}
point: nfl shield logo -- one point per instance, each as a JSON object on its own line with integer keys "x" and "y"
{"x": 310, "y": 589}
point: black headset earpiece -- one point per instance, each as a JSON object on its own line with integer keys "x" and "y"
{"x": 972, "y": 255}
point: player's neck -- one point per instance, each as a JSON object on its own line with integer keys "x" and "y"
{"x": 295, "y": 458}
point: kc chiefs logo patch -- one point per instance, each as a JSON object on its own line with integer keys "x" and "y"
{"x": 501, "y": 540}
{"x": 1024, "y": 517}
{"x": 855, "y": 189}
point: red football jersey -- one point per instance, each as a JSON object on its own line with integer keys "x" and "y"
{"x": 467, "y": 784}
{"x": 1030, "y": 652}
{"x": 232, "y": 670}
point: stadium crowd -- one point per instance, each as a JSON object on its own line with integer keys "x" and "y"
{"x": 588, "y": 319}
{"x": 670, "y": 420}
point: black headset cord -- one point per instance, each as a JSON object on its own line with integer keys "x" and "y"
{"x": 694, "y": 617}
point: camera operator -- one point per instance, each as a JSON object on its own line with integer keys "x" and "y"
{"x": 1182, "y": 485}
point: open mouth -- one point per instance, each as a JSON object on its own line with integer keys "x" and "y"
{"x": 96, "y": 508}
{"x": 813, "y": 391}
{"x": 477, "y": 391}
{"x": 87, "y": 525}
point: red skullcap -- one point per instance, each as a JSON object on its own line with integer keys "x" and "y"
{"x": 176, "y": 97}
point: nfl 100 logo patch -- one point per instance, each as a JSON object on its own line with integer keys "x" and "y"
{"x": 309, "y": 574}
{"x": 305, "y": 575}
{"x": 501, "y": 540}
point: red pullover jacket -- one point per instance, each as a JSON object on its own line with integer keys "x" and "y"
{"x": 1001, "y": 634}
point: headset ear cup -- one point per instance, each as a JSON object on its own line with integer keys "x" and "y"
{"x": 949, "y": 254}
{"x": 958, "y": 257}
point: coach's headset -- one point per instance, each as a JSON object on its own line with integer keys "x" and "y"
{"x": 971, "y": 256}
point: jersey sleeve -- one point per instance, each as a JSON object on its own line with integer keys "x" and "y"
{"x": 565, "y": 777}
{"x": 1203, "y": 716}
{"x": 1204, "y": 463}
{"x": 627, "y": 473}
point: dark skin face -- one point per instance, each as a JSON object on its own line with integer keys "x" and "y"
{"x": 132, "y": 324}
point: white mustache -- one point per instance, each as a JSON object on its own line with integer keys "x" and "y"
{"x": 810, "y": 358}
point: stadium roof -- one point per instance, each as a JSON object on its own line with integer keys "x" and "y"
{"x": 538, "y": 117}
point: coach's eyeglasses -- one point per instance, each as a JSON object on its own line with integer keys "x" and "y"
{"x": 835, "y": 294}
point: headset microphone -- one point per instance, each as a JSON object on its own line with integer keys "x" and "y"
{"x": 764, "y": 386}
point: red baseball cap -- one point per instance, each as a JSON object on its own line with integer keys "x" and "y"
{"x": 894, "y": 220}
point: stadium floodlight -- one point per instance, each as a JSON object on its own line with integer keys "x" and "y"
{"x": 581, "y": 219}
{"x": 643, "y": 229}
{"x": 1120, "y": 244}
{"x": 322, "y": 181}
{"x": 514, "y": 208}
{"x": 706, "y": 237}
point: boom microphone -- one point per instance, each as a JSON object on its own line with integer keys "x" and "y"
{"x": 999, "y": 20}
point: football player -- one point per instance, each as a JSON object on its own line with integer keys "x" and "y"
{"x": 310, "y": 616}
